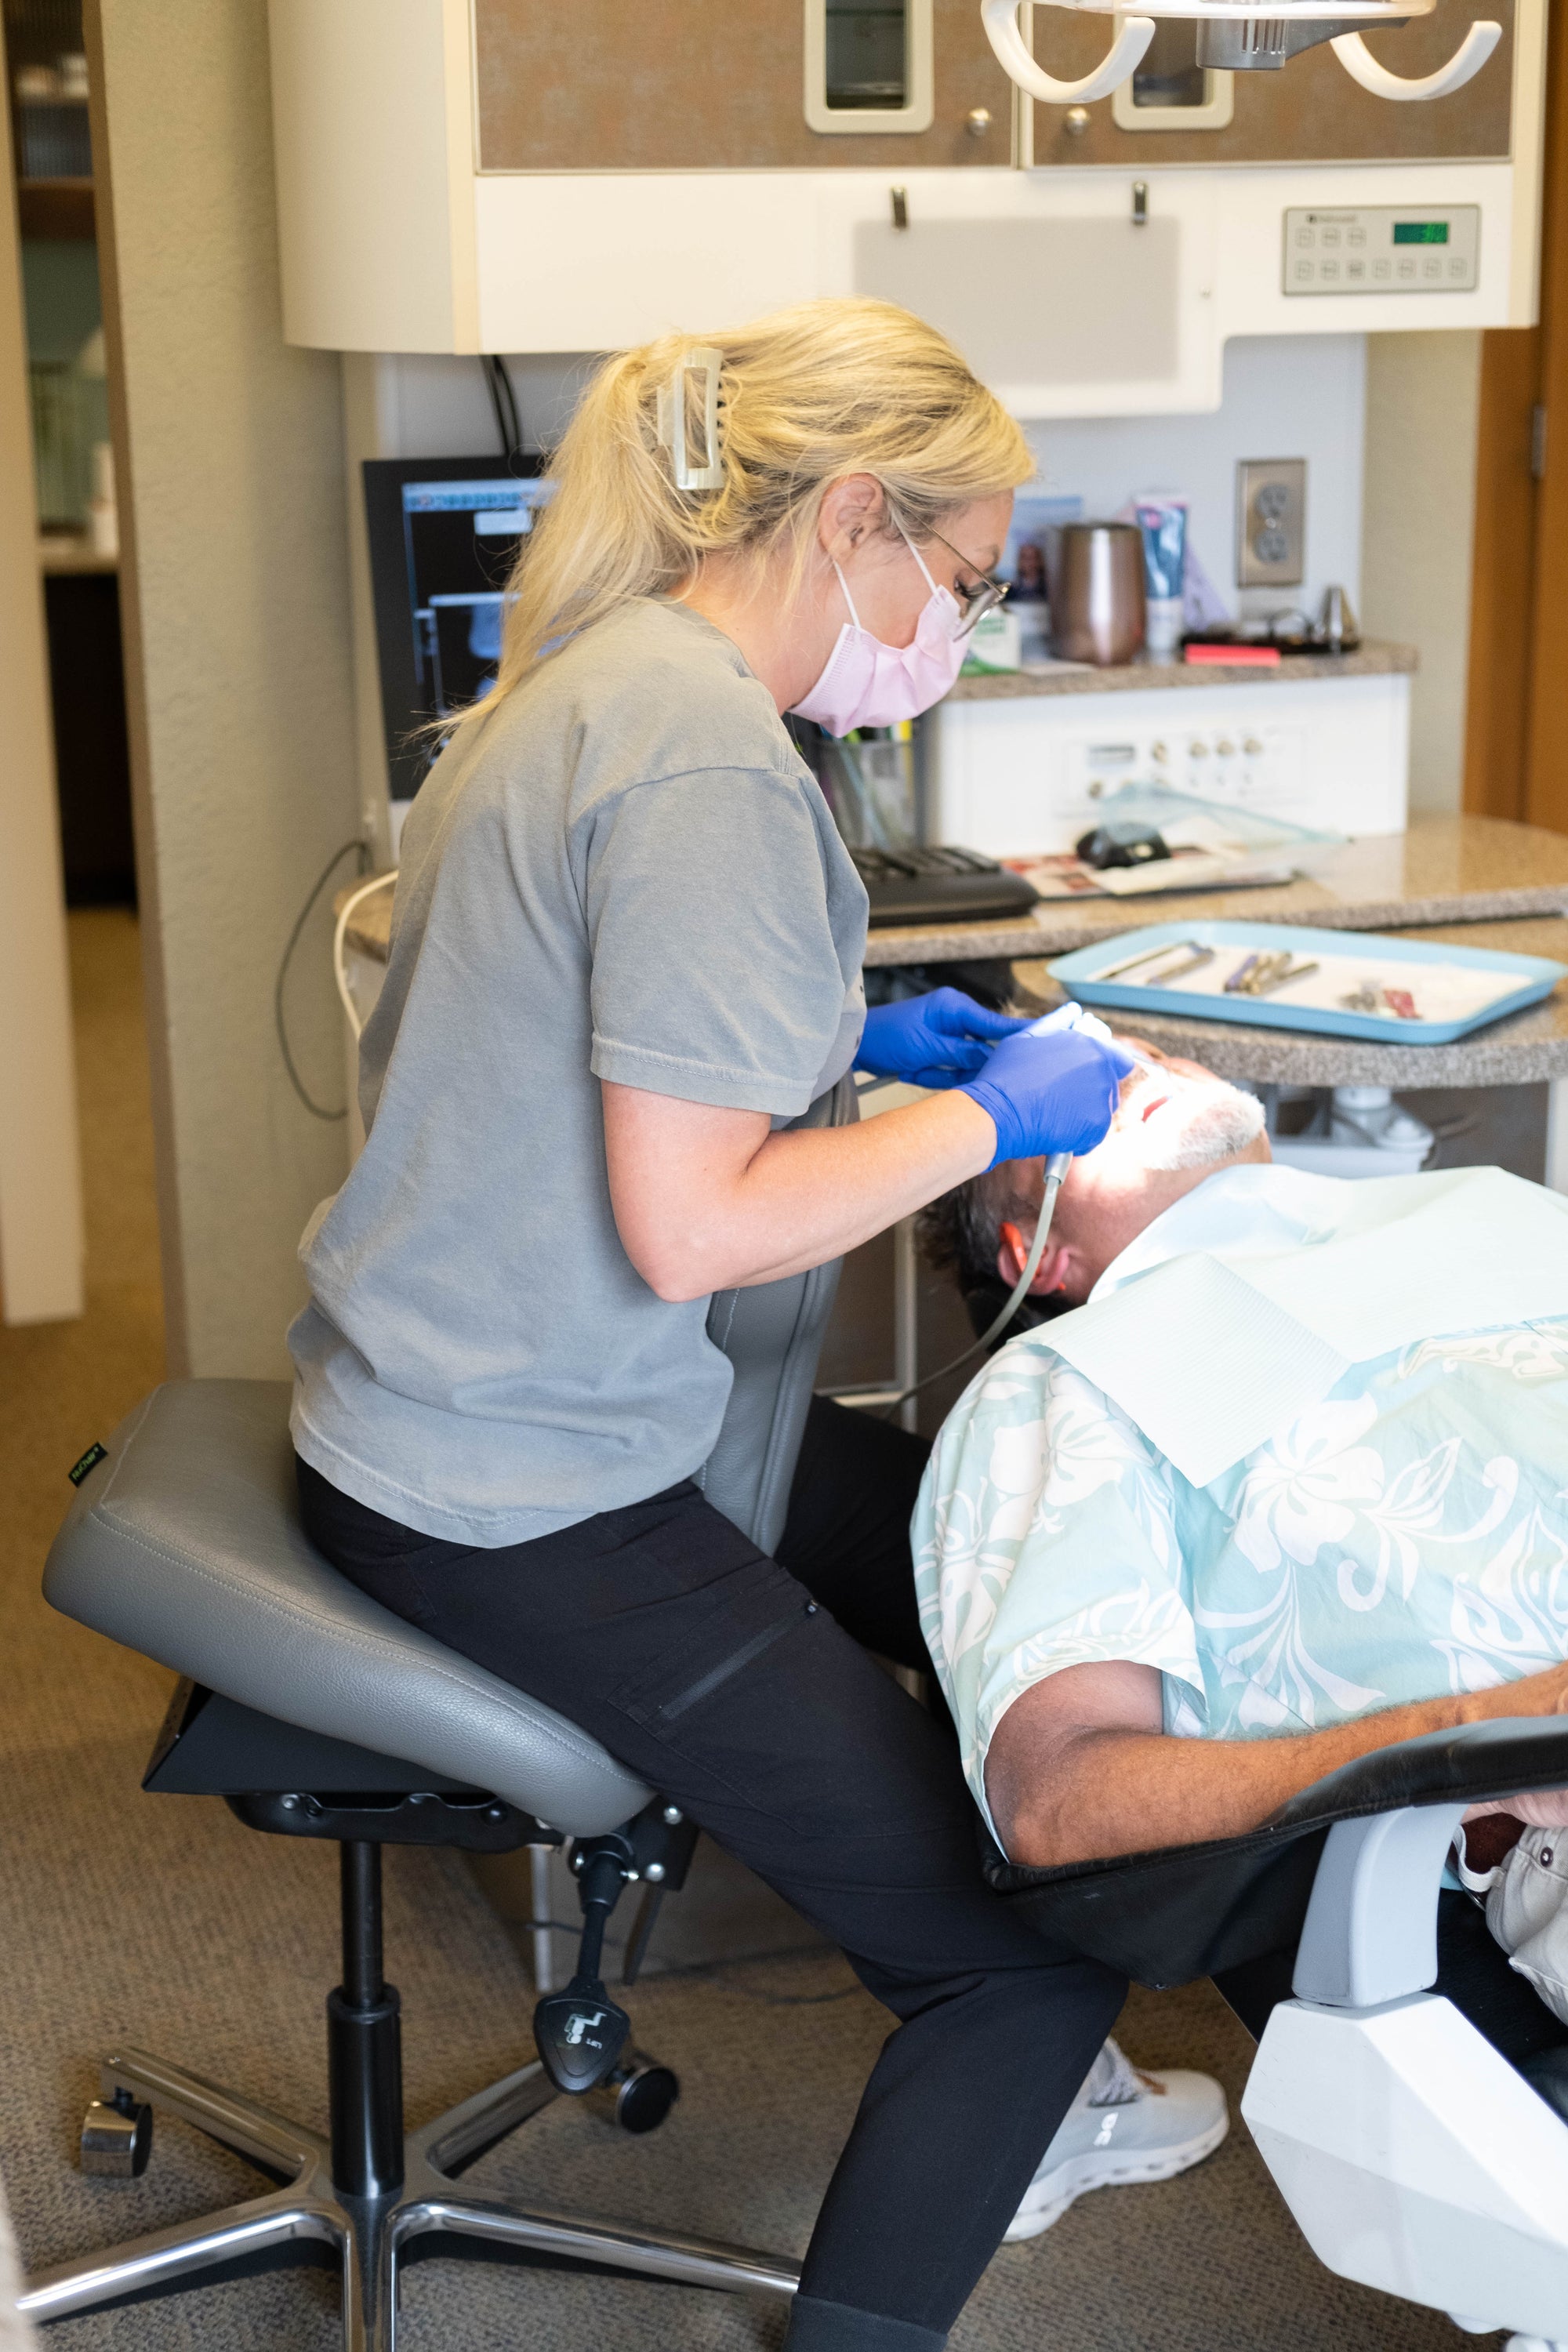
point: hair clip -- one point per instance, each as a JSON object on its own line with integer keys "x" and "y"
{"x": 703, "y": 360}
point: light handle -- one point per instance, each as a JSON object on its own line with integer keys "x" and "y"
{"x": 1462, "y": 67}
{"x": 1134, "y": 35}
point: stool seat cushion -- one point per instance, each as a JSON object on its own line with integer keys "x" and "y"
{"x": 185, "y": 1543}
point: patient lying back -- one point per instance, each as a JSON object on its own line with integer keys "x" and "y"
{"x": 1138, "y": 1659}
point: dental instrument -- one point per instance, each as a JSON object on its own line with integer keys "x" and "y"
{"x": 1057, "y": 1167}
{"x": 1195, "y": 962}
{"x": 1149, "y": 955}
{"x": 1281, "y": 977}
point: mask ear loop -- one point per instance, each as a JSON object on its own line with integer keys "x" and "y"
{"x": 920, "y": 558}
{"x": 849, "y": 600}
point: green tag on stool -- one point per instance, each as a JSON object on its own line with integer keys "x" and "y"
{"x": 89, "y": 1461}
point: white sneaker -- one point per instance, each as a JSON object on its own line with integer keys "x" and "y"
{"x": 1123, "y": 2126}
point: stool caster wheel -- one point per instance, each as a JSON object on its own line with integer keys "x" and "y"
{"x": 637, "y": 2094}
{"x": 117, "y": 2137}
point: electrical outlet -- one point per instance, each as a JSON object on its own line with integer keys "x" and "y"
{"x": 1271, "y": 522}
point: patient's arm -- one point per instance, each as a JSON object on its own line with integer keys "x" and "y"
{"x": 1080, "y": 1768}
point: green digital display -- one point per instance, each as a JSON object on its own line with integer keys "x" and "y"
{"x": 1420, "y": 232}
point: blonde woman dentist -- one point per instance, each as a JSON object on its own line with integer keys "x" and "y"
{"x": 626, "y": 955}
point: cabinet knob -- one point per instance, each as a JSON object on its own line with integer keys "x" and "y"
{"x": 1074, "y": 121}
{"x": 977, "y": 122}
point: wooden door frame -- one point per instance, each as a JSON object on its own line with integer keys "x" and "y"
{"x": 1516, "y": 749}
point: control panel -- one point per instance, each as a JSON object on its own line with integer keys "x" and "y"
{"x": 1017, "y": 775}
{"x": 1243, "y": 762}
{"x": 1383, "y": 249}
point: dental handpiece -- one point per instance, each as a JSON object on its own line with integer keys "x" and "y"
{"x": 1056, "y": 1166}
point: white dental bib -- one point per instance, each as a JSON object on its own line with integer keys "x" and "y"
{"x": 1247, "y": 1302}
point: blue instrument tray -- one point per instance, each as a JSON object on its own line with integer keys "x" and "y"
{"x": 1199, "y": 997}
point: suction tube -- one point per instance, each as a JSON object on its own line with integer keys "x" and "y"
{"x": 1057, "y": 1167}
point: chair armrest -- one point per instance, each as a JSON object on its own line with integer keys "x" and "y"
{"x": 1507, "y": 1757}
{"x": 1167, "y": 1917}
{"x": 1370, "y": 1931}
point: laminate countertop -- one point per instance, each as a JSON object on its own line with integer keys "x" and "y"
{"x": 1369, "y": 659}
{"x": 1444, "y": 869}
{"x": 1501, "y": 884}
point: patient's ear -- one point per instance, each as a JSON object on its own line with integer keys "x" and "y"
{"x": 1056, "y": 1262}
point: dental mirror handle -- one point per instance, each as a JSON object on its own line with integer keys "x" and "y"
{"x": 1056, "y": 1166}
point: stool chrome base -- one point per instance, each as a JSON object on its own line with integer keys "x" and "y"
{"x": 369, "y": 2233}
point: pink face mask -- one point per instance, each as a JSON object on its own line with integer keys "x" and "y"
{"x": 868, "y": 683}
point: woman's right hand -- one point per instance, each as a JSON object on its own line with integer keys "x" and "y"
{"x": 1056, "y": 1092}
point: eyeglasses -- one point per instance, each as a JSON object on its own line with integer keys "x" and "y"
{"x": 973, "y": 604}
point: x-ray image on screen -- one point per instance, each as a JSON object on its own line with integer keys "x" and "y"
{"x": 444, "y": 536}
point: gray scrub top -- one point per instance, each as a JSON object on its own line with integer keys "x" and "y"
{"x": 625, "y": 872}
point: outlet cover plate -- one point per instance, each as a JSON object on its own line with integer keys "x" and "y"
{"x": 1270, "y": 522}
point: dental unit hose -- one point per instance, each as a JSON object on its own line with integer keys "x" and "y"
{"x": 1057, "y": 1167}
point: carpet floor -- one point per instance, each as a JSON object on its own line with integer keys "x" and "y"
{"x": 162, "y": 1921}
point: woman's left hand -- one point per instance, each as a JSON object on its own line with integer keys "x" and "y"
{"x": 932, "y": 1040}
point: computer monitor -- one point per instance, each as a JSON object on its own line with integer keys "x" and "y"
{"x": 443, "y": 534}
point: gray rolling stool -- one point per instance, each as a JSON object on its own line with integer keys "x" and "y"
{"x": 316, "y": 1713}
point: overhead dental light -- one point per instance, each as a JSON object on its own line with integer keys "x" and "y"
{"x": 1240, "y": 34}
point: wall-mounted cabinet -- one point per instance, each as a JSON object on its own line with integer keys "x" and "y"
{"x": 778, "y": 84}
{"x": 524, "y": 175}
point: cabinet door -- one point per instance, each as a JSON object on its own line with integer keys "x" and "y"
{"x": 705, "y": 85}
{"x": 1308, "y": 111}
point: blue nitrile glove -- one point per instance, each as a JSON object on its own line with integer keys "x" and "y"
{"x": 1051, "y": 1092}
{"x": 930, "y": 1041}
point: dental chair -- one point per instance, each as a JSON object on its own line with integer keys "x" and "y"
{"x": 316, "y": 1713}
{"x": 1409, "y": 2090}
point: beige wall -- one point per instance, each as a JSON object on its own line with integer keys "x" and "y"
{"x": 1423, "y": 405}
{"x": 230, "y": 454}
{"x": 41, "y": 1172}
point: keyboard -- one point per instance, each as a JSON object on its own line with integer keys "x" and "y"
{"x": 940, "y": 885}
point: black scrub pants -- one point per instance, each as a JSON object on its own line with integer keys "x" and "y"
{"x": 737, "y": 1685}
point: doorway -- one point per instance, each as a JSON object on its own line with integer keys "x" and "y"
{"x": 1516, "y": 749}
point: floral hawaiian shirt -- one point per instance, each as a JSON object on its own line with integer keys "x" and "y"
{"x": 1405, "y": 1535}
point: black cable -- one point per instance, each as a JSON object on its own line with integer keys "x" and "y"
{"x": 278, "y": 1014}
{"x": 503, "y": 402}
{"x": 503, "y": 377}
{"x": 494, "y": 390}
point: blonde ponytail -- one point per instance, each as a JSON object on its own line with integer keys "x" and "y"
{"x": 806, "y": 396}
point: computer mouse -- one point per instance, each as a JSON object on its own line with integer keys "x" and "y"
{"x": 1122, "y": 845}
